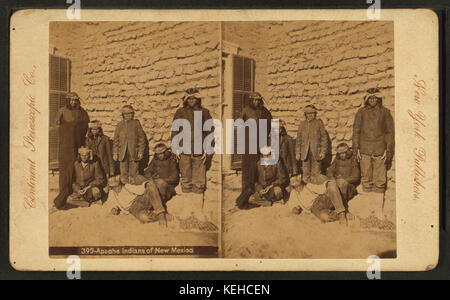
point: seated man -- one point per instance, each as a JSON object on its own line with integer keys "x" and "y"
{"x": 323, "y": 199}
{"x": 163, "y": 169}
{"x": 345, "y": 170}
{"x": 142, "y": 200}
{"x": 271, "y": 181}
{"x": 89, "y": 180}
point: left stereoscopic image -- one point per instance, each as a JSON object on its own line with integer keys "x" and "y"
{"x": 115, "y": 185}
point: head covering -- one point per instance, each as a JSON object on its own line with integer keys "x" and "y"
{"x": 192, "y": 93}
{"x": 127, "y": 109}
{"x": 72, "y": 95}
{"x": 255, "y": 95}
{"x": 310, "y": 109}
{"x": 342, "y": 146}
{"x": 282, "y": 123}
{"x": 95, "y": 124}
{"x": 83, "y": 151}
{"x": 266, "y": 150}
{"x": 160, "y": 148}
{"x": 373, "y": 92}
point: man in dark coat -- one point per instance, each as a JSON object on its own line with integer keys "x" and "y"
{"x": 163, "y": 169}
{"x": 72, "y": 121}
{"x": 287, "y": 151}
{"x": 345, "y": 170}
{"x": 100, "y": 145}
{"x": 373, "y": 141}
{"x": 193, "y": 166}
{"x": 311, "y": 144}
{"x": 256, "y": 111}
{"x": 89, "y": 180}
{"x": 272, "y": 179}
{"x": 129, "y": 145}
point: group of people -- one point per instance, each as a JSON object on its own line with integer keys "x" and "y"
{"x": 318, "y": 190}
{"x": 93, "y": 168}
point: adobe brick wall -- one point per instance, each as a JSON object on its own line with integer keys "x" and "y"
{"x": 330, "y": 65}
{"x": 146, "y": 64}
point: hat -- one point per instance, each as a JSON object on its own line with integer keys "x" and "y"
{"x": 84, "y": 151}
{"x": 255, "y": 95}
{"x": 192, "y": 93}
{"x": 127, "y": 109}
{"x": 160, "y": 148}
{"x": 310, "y": 109}
{"x": 95, "y": 124}
{"x": 373, "y": 92}
{"x": 72, "y": 95}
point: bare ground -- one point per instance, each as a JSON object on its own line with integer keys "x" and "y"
{"x": 95, "y": 226}
{"x": 274, "y": 232}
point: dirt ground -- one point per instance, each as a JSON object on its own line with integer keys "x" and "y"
{"x": 95, "y": 226}
{"x": 274, "y": 232}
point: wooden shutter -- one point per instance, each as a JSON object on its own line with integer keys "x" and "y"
{"x": 243, "y": 85}
{"x": 59, "y": 77}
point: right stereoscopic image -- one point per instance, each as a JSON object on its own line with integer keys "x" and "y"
{"x": 331, "y": 192}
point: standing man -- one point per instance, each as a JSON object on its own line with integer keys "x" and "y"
{"x": 193, "y": 166}
{"x": 72, "y": 121}
{"x": 128, "y": 145}
{"x": 373, "y": 141}
{"x": 311, "y": 144}
{"x": 256, "y": 111}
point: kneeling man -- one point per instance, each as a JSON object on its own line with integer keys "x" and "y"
{"x": 163, "y": 169}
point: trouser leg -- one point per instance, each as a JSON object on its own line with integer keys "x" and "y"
{"x": 259, "y": 200}
{"x": 379, "y": 175}
{"x": 165, "y": 190}
{"x": 152, "y": 195}
{"x": 185, "y": 164}
{"x": 249, "y": 163}
{"x": 124, "y": 167}
{"x": 366, "y": 172}
{"x": 307, "y": 166}
{"x": 335, "y": 196}
{"x": 133, "y": 170}
{"x": 198, "y": 175}
{"x": 316, "y": 167}
{"x": 322, "y": 205}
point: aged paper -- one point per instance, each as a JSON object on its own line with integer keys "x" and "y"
{"x": 70, "y": 78}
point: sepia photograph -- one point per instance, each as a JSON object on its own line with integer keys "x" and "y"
{"x": 331, "y": 86}
{"x": 224, "y": 140}
{"x": 115, "y": 88}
